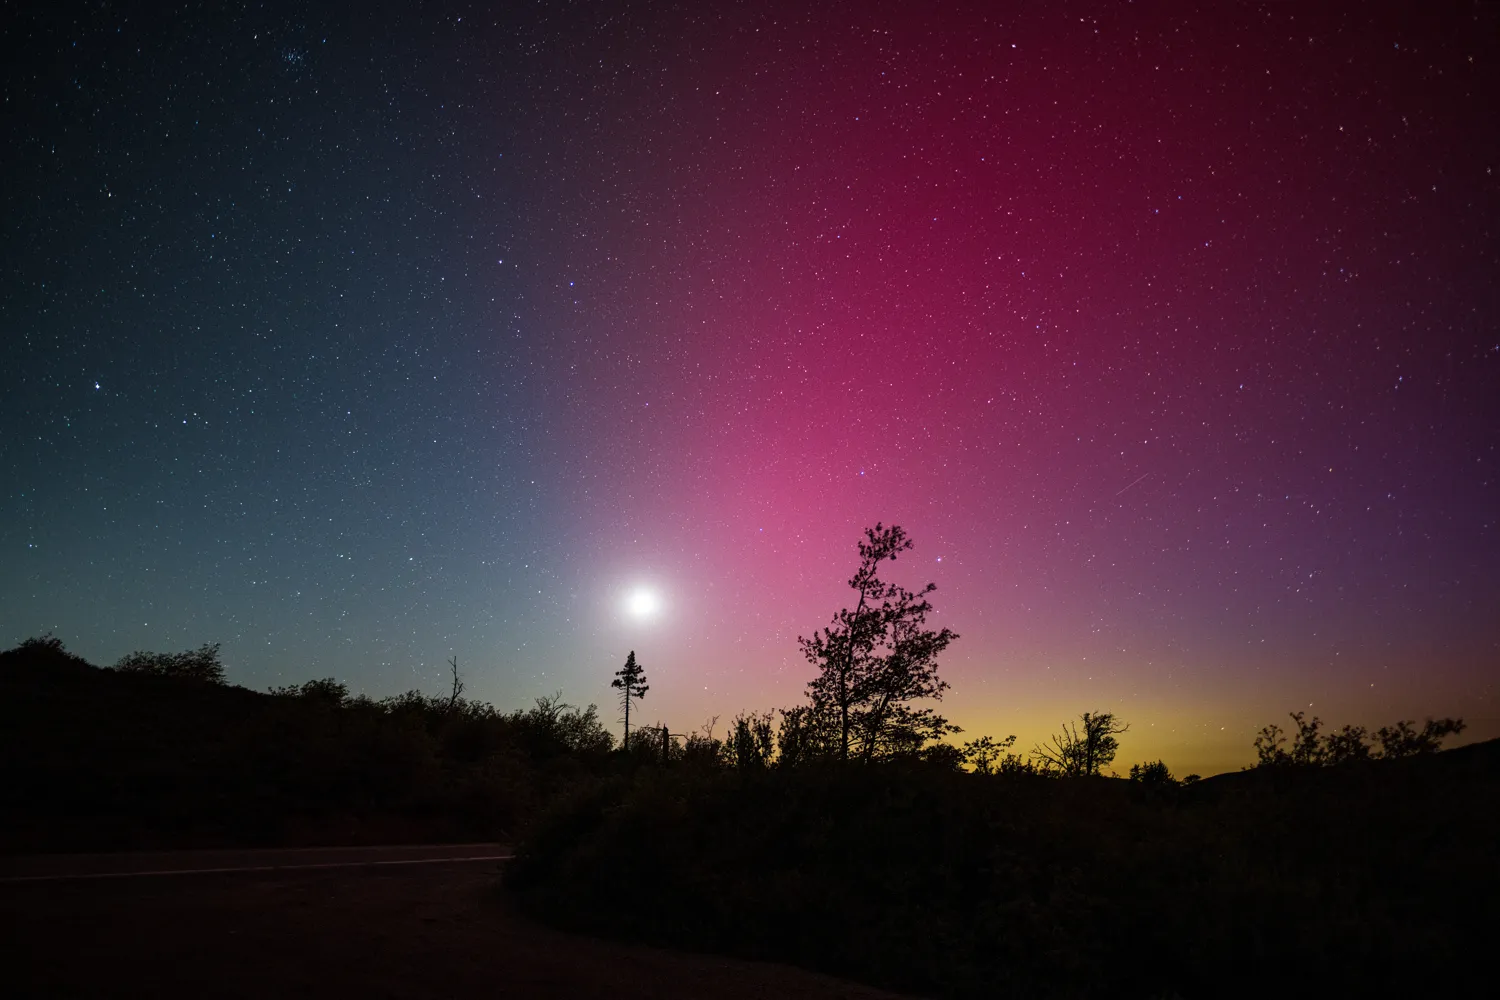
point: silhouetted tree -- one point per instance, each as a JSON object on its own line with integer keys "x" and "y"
{"x": 876, "y": 660}
{"x": 1082, "y": 751}
{"x": 631, "y": 682}
{"x": 752, "y": 742}
{"x": 456, "y": 691}
{"x": 201, "y": 664}
{"x": 1153, "y": 775}
{"x": 1014, "y": 763}
{"x": 799, "y": 738}
{"x": 1307, "y": 747}
{"x": 945, "y": 756}
{"x": 1350, "y": 743}
{"x": 1401, "y": 740}
{"x": 1345, "y": 745}
{"x": 553, "y": 727}
{"x": 1269, "y": 745}
{"x": 985, "y": 754}
{"x": 702, "y": 747}
{"x": 582, "y": 732}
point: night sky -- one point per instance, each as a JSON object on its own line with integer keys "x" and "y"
{"x": 1171, "y": 334}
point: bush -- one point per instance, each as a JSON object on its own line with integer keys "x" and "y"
{"x": 963, "y": 885}
{"x": 1349, "y": 744}
{"x": 1153, "y": 775}
{"x": 325, "y": 690}
{"x": 200, "y": 665}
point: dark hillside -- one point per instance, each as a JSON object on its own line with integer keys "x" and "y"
{"x": 968, "y": 885}
{"x": 103, "y": 759}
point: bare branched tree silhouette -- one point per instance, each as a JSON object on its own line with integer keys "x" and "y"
{"x": 456, "y": 691}
{"x": 1082, "y": 750}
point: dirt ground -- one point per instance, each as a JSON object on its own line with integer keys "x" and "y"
{"x": 434, "y": 930}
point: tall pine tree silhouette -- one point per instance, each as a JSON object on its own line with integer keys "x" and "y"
{"x": 631, "y": 681}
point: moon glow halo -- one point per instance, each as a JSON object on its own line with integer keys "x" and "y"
{"x": 642, "y": 603}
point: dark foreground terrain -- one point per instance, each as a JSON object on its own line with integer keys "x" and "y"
{"x": 1371, "y": 876}
{"x": 114, "y": 760}
{"x": 407, "y": 931}
{"x": 1335, "y": 881}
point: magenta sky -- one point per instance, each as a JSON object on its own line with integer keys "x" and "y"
{"x": 1169, "y": 333}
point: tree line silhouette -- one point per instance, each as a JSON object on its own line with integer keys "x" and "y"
{"x": 849, "y": 833}
{"x": 161, "y": 751}
{"x": 877, "y": 662}
{"x": 1275, "y": 747}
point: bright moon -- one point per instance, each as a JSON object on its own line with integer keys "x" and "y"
{"x": 642, "y": 603}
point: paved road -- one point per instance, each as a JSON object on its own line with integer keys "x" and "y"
{"x": 400, "y": 923}
{"x": 61, "y": 867}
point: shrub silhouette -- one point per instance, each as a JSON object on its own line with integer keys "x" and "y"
{"x": 200, "y": 665}
{"x": 1269, "y": 745}
{"x": 326, "y": 690}
{"x": 1401, "y": 740}
{"x": 1350, "y": 743}
{"x": 1153, "y": 775}
{"x": 986, "y": 754}
{"x": 751, "y": 745}
{"x": 43, "y": 657}
{"x": 1014, "y": 764}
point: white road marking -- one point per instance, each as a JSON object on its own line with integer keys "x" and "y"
{"x": 252, "y": 868}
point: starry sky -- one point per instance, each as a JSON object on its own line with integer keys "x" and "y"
{"x": 360, "y": 339}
